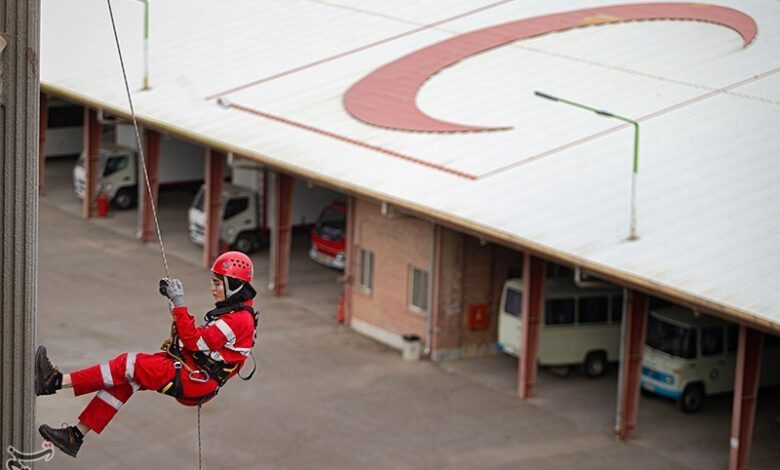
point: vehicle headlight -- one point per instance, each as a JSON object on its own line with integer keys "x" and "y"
{"x": 108, "y": 188}
{"x": 231, "y": 231}
{"x": 669, "y": 379}
{"x": 341, "y": 255}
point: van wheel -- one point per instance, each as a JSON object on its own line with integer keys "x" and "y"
{"x": 595, "y": 364}
{"x": 245, "y": 243}
{"x": 692, "y": 399}
{"x": 125, "y": 198}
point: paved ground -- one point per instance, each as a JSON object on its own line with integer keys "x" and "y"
{"x": 325, "y": 397}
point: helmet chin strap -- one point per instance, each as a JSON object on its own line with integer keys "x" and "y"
{"x": 228, "y": 292}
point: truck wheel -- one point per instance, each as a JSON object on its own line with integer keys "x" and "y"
{"x": 244, "y": 243}
{"x": 692, "y": 399}
{"x": 124, "y": 199}
{"x": 595, "y": 364}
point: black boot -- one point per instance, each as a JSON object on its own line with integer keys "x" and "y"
{"x": 47, "y": 378}
{"x": 67, "y": 439}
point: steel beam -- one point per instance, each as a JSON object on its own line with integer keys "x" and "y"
{"x": 635, "y": 318}
{"x": 281, "y": 235}
{"x": 212, "y": 204}
{"x": 92, "y": 134}
{"x": 152, "y": 158}
{"x": 533, "y": 300}
{"x": 751, "y": 344}
{"x": 19, "y": 158}
{"x": 43, "y": 124}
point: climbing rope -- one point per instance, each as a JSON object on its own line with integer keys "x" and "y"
{"x": 146, "y": 180}
{"x": 138, "y": 140}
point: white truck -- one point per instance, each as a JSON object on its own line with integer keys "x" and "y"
{"x": 245, "y": 225}
{"x": 688, "y": 357}
{"x": 180, "y": 164}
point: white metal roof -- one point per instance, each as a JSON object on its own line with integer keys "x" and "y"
{"x": 557, "y": 182}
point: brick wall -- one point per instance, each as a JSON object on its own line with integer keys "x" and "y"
{"x": 470, "y": 273}
{"x": 398, "y": 241}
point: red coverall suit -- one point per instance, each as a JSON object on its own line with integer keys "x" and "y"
{"x": 229, "y": 338}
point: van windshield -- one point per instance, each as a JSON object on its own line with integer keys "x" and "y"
{"x": 671, "y": 339}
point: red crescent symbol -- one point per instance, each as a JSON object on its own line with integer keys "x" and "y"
{"x": 387, "y": 97}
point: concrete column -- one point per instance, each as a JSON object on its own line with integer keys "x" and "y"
{"x": 212, "y": 204}
{"x": 281, "y": 234}
{"x": 19, "y": 121}
{"x": 152, "y": 157}
{"x": 349, "y": 266}
{"x": 743, "y": 412}
{"x": 43, "y": 119}
{"x": 635, "y": 319}
{"x": 92, "y": 134}
{"x": 533, "y": 301}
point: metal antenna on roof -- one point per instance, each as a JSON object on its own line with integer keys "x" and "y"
{"x": 632, "y": 235}
{"x": 138, "y": 141}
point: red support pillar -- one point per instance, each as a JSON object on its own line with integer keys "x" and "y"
{"x": 212, "y": 204}
{"x": 282, "y": 232}
{"x": 92, "y": 133}
{"x": 349, "y": 261}
{"x": 152, "y": 158}
{"x": 533, "y": 298}
{"x": 751, "y": 343}
{"x": 631, "y": 365}
{"x": 42, "y": 126}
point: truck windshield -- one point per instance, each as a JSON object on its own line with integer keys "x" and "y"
{"x": 197, "y": 203}
{"x": 331, "y": 224}
{"x": 671, "y": 339}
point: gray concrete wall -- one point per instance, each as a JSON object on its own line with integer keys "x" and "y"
{"x": 19, "y": 77}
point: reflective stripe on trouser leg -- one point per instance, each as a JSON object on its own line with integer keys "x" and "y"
{"x": 117, "y": 371}
{"x": 104, "y": 406}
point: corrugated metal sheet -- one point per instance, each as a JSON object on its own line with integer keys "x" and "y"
{"x": 557, "y": 181}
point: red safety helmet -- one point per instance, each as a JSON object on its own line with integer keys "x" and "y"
{"x": 234, "y": 264}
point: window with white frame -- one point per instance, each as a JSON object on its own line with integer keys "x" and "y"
{"x": 366, "y": 277}
{"x": 418, "y": 288}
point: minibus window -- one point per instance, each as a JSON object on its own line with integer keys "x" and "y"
{"x": 559, "y": 311}
{"x": 617, "y": 308}
{"x": 593, "y": 309}
{"x": 513, "y": 303}
{"x": 671, "y": 339}
{"x": 732, "y": 336}
{"x": 711, "y": 341}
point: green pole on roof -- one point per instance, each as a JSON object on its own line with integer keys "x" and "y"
{"x": 632, "y": 235}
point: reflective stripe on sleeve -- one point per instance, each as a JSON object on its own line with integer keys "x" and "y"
{"x": 110, "y": 399}
{"x": 105, "y": 371}
{"x": 130, "y": 367}
{"x": 201, "y": 343}
{"x": 226, "y": 330}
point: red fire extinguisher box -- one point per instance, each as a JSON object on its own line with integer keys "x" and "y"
{"x": 479, "y": 317}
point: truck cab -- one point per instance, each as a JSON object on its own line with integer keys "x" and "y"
{"x": 328, "y": 236}
{"x": 117, "y": 175}
{"x": 687, "y": 357}
{"x": 241, "y": 226}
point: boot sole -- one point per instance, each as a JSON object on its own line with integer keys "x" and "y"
{"x": 44, "y": 431}
{"x": 41, "y": 351}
